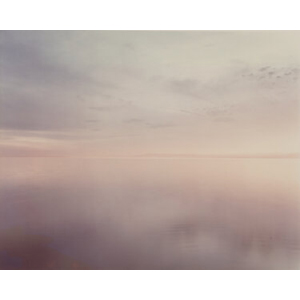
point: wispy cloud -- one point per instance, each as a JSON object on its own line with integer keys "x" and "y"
{"x": 200, "y": 86}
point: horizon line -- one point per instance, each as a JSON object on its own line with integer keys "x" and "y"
{"x": 168, "y": 155}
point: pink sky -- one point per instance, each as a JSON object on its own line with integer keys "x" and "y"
{"x": 113, "y": 93}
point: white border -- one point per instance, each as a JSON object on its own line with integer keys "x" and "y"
{"x": 150, "y": 15}
{"x": 245, "y": 285}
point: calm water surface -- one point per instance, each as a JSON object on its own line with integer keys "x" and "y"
{"x": 75, "y": 213}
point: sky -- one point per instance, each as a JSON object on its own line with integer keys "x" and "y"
{"x": 145, "y": 93}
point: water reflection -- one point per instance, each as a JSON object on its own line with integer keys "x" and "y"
{"x": 149, "y": 214}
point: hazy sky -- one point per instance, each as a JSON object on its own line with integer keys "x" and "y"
{"x": 149, "y": 92}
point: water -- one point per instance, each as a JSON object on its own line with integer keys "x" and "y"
{"x": 76, "y": 213}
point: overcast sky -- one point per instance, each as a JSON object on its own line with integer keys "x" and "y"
{"x": 149, "y": 92}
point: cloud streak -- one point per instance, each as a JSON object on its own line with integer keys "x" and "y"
{"x": 202, "y": 87}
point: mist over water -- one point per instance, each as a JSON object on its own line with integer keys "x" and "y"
{"x": 149, "y": 149}
{"x": 76, "y": 213}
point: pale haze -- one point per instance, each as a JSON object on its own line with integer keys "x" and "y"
{"x": 149, "y": 150}
{"x": 122, "y": 93}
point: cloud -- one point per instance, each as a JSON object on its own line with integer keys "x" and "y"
{"x": 60, "y": 81}
{"x": 134, "y": 121}
{"x": 102, "y": 108}
{"x": 148, "y": 123}
{"x": 39, "y": 90}
{"x": 161, "y": 125}
{"x": 28, "y": 59}
{"x": 224, "y": 119}
{"x": 188, "y": 87}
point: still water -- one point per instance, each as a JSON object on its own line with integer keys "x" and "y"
{"x": 76, "y": 213}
